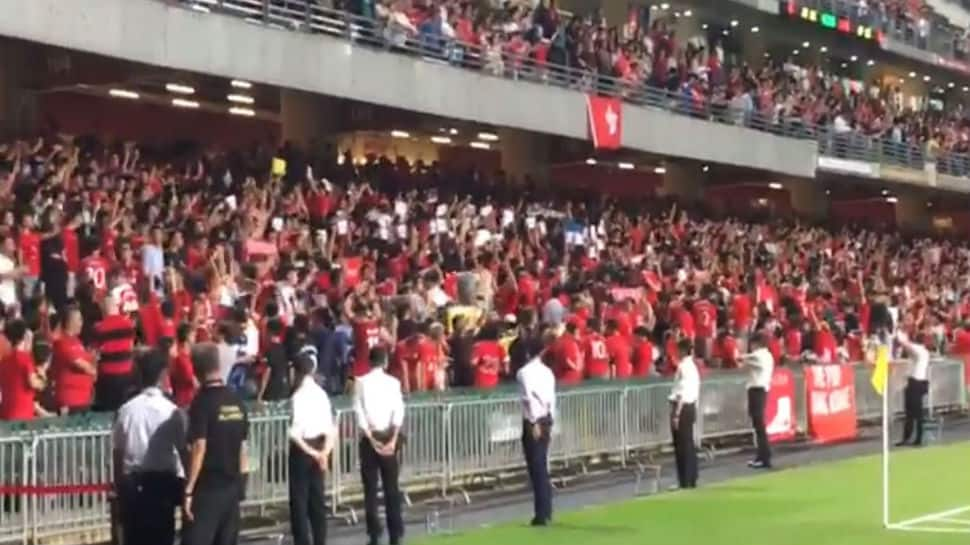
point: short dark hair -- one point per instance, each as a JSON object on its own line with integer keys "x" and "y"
{"x": 15, "y": 331}
{"x": 183, "y": 332}
{"x": 303, "y": 365}
{"x": 205, "y": 359}
{"x": 685, "y": 346}
{"x": 378, "y": 356}
{"x": 151, "y": 364}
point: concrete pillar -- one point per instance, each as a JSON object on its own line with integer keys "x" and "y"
{"x": 912, "y": 213}
{"x": 524, "y": 154}
{"x": 18, "y": 104}
{"x": 808, "y": 200}
{"x": 684, "y": 181}
{"x": 308, "y": 120}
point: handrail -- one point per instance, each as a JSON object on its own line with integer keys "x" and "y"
{"x": 309, "y": 16}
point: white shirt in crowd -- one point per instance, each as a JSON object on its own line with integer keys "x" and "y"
{"x": 537, "y": 389}
{"x": 919, "y": 368}
{"x": 687, "y": 382}
{"x": 8, "y": 288}
{"x": 312, "y": 414}
{"x": 378, "y": 402}
{"x": 761, "y": 365}
{"x": 149, "y": 431}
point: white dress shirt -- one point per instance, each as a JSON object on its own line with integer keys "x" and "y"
{"x": 378, "y": 402}
{"x": 687, "y": 382}
{"x": 537, "y": 389}
{"x": 149, "y": 431}
{"x": 919, "y": 368}
{"x": 761, "y": 365}
{"x": 312, "y": 415}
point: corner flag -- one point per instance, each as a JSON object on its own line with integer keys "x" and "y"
{"x": 880, "y": 375}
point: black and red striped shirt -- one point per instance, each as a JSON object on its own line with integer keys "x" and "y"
{"x": 115, "y": 336}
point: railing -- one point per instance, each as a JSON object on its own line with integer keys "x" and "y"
{"x": 55, "y": 482}
{"x": 309, "y": 16}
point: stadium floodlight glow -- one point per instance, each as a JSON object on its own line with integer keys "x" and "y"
{"x": 688, "y": 13}
{"x": 892, "y": 200}
{"x": 870, "y": 62}
{"x": 180, "y": 89}
{"x": 704, "y": 26}
{"x": 452, "y": 131}
{"x": 926, "y": 78}
{"x": 705, "y": 168}
{"x": 806, "y": 45}
{"x": 659, "y": 170}
{"x": 441, "y": 139}
{"x": 775, "y": 185}
{"x": 794, "y": 52}
{"x": 965, "y": 88}
{"x": 845, "y": 65}
{"x": 735, "y": 22}
{"x": 488, "y": 137}
{"x": 240, "y": 99}
{"x": 124, "y": 93}
{"x": 400, "y": 134}
{"x": 885, "y": 192}
{"x": 912, "y": 74}
{"x": 245, "y": 112}
{"x": 240, "y": 84}
{"x": 626, "y": 166}
{"x": 183, "y": 103}
{"x": 854, "y": 58}
{"x": 480, "y": 145}
{"x": 755, "y": 29}
{"x": 590, "y": 161}
{"x": 665, "y": 5}
{"x": 725, "y": 32}
{"x": 823, "y": 49}
{"x": 951, "y": 85}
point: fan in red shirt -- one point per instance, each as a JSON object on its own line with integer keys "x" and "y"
{"x": 741, "y": 315}
{"x": 20, "y": 379}
{"x": 95, "y": 268}
{"x": 726, "y": 349}
{"x": 366, "y": 326}
{"x": 620, "y": 351}
{"x": 643, "y": 354}
{"x": 595, "y": 353}
{"x": 181, "y": 373}
{"x": 28, "y": 250}
{"x": 72, "y": 246}
{"x": 74, "y": 368}
{"x": 568, "y": 357}
{"x": 705, "y": 326}
{"x": 415, "y": 362}
{"x": 488, "y": 358}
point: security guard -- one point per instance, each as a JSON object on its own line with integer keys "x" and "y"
{"x": 537, "y": 389}
{"x": 761, "y": 366}
{"x": 683, "y": 414}
{"x": 379, "y": 406}
{"x": 149, "y": 440}
{"x": 217, "y": 433}
{"x": 917, "y": 386}
{"x": 312, "y": 437}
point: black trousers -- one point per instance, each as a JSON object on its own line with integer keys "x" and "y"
{"x": 215, "y": 507}
{"x": 308, "y": 513}
{"x": 112, "y": 391}
{"x": 913, "y": 401}
{"x": 685, "y": 450}
{"x": 537, "y": 462}
{"x": 757, "y": 398}
{"x": 373, "y": 464}
{"x": 147, "y": 503}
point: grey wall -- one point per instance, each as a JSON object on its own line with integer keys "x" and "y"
{"x": 152, "y": 32}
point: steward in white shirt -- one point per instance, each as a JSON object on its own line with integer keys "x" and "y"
{"x": 761, "y": 366}
{"x": 683, "y": 414}
{"x": 312, "y": 438}
{"x": 537, "y": 390}
{"x": 149, "y": 440}
{"x": 379, "y": 406}
{"x": 917, "y": 386}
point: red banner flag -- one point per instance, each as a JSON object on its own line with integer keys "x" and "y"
{"x": 605, "y": 121}
{"x": 780, "y": 408}
{"x": 830, "y": 390}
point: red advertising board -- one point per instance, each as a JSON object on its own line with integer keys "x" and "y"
{"x": 780, "y": 408}
{"x": 830, "y": 392}
{"x": 605, "y": 121}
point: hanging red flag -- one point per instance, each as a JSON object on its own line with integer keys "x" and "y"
{"x": 605, "y": 121}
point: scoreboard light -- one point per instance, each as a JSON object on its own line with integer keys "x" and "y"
{"x": 830, "y": 21}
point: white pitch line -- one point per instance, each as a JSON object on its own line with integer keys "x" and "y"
{"x": 933, "y": 529}
{"x": 932, "y": 517}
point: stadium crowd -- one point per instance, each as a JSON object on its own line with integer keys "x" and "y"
{"x": 104, "y": 251}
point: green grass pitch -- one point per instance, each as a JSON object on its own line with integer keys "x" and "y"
{"x": 826, "y": 504}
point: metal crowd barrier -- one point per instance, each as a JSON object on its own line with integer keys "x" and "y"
{"x": 56, "y": 483}
{"x": 312, "y": 17}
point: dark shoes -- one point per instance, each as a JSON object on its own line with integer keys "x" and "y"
{"x": 539, "y": 522}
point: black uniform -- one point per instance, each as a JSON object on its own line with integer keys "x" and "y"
{"x": 218, "y": 416}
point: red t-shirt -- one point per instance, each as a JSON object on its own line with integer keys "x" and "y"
{"x": 181, "y": 375}
{"x": 642, "y": 358}
{"x": 618, "y": 347}
{"x": 150, "y": 316}
{"x": 487, "y": 359}
{"x": 727, "y": 350}
{"x": 567, "y": 350}
{"x": 29, "y": 244}
{"x": 507, "y": 300}
{"x": 597, "y": 356}
{"x": 18, "y": 397}
{"x": 793, "y": 343}
{"x": 73, "y": 388}
{"x": 705, "y": 319}
{"x": 528, "y": 291}
{"x": 961, "y": 342}
{"x": 825, "y": 346}
{"x": 741, "y": 311}
{"x": 72, "y": 249}
{"x": 367, "y": 335}
{"x": 95, "y": 269}
{"x": 624, "y": 322}
{"x": 686, "y": 322}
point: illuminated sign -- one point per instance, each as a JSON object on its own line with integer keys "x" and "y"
{"x": 831, "y": 21}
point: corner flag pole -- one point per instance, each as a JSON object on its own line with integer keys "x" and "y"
{"x": 885, "y": 457}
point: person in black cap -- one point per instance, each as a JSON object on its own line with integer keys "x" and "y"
{"x": 379, "y": 406}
